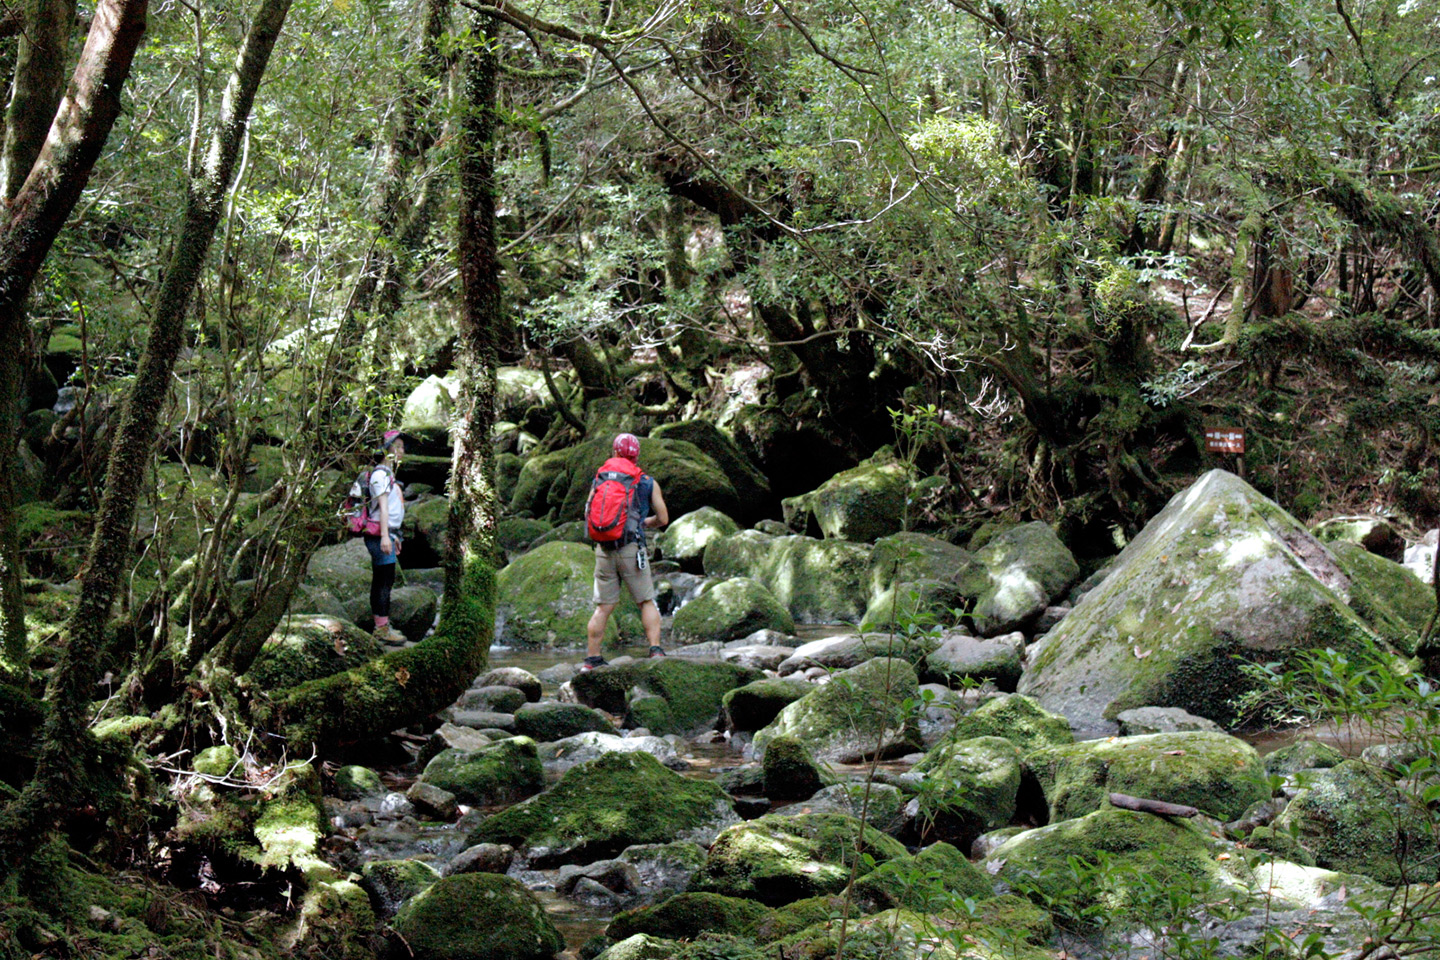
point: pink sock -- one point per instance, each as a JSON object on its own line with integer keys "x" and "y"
{"x": 382, "y": 621}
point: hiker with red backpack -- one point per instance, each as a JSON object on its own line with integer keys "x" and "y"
{"x": 624, "y": 502}
{"x": 375, "y": 510}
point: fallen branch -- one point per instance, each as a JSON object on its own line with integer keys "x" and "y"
{"x": 1158, "y": 807}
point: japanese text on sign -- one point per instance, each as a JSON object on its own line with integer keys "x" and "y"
{"x": 1224, "y": 441}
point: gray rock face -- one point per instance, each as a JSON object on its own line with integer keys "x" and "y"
{"x": 1220, "y": 571}
{"x": 854, "y": 716}
{"x": 522, "y": 680}
{"x": 584, "y": 747}
{"x": 482, "y": 858}
{"x": 665, "y": 868}
{"x": 960, "y": 657}
{"x": 755, "y": 656}
{"x": 604, "y": 883}
{"x": 479, "y": 719}
{"x": 1024, "y": 570}
{"x": 432, "y": 800}
{"x": 1143, "y": 720}
{"x": 496, "y": 699}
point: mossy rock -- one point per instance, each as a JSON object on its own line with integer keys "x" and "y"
{"x": 853, "y": 717}
{"x": 686, "y": 538}
{"x": 1220, "y": 576}
{"x": 639, "y": 947}
{"x": 928, "y": 881}
{"x": 1386, "y": 595}
{"x": 1144, "y": 853}
{"x": 426, "y": 526}
{"x": 969, "y": 787}
{"x": 507, "y": 474}
{"x": 506, "y": 771}
{"x": 517, "y": 389}
{"x": 818, "y": 581}
{"x": 393, "y": 883}
{"x": 55, "y": 540}
{"x": 903, "y": 558}
{"x": 903, "y": 933}
{"x": 220, "y": 760}
{"x": 730, "y": 610}
{"x": 861, "y": 504}
{"x": 515, "y": 534}
{"x": 790, "y": 772}
{"x": 342, "y": 570}
{"x": 928, "y": 603}
{"x": 883, "y": 805}
{"x": 546, "y": 597}
{"x": 1355, "y": 819}
{"x": 1016, "y": 575}
{"x": 1016, "y": 718}
{"x": 600, "y": 808}
{"x": 757, "y": 704}
{"x": 959, "y": 659}
{"x": 777, "y": 860}
{"x": 307, "y": 648}
{"x": 651, "y": 713}
{"x": 46, "y": 614}
{"x": 478, "y": 916}
{"x": 752, "y": 488}
{"x": 291, "y": 821}
{"x": 693, "y": 688}
{"x": 355, "y": 782}
{"x": 548, "y": 722}
{"x": 1376, "y": 534}
{"x": 787, "y": 920}
{"x": 573, "y": 531}
{"x": 1215, "y": 773}
{"x": 1302, "y": 755}
{"x": 686, "y": 916}
{"x": 851, "y": 650}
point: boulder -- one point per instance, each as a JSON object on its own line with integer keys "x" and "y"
{"x": 1018, "y": 574}
{"x": 924, "y": 603}
{"x": 1215, "y": 773}
{"x": 1354, "y": 818}
{"x": 356, "y": 782}
{"x": 790, "y": 772}
{"x": 688, "y": 915}
{"x": 393, "y": 883}
{"x": 426, "y": 526}
{"x": 482, "y": 858}
{"x": 665, "y": 868}
{"x": 941, "y": 865}
{"x": 342, "y": 570}
{"x": 851, "y": 650}
{"x": 1144, "y": 853}
{"x": 1386, "y": 595}
{"x": 1302, "y": 755}
{"x": 515, "y": 534}
{"x": 584, "y": 747}
{"x": 307, "y": 648}
{"x": 959, "y": 658}
{"x": 639, "y": 947}
{"x": 729, "y": 610}
{"x": 975, "y": 786}
{"x": 479, "y": 719}
{"x": 818, "y": 581}
{"x": 1016, "y": 718}
{"x": 497, "y": 698}
{"x": 861, "y": 504}
{"x": 909, "y": 557}
{"x": 600, "y": 808}
{"x": 432, "y": 801}
{"x": 546, "y": 597}
{"x": 1143, "y": 720}
{"x": 517, "y": 389}
{"x": 506, "y": 771}
{"x": 412, "y": 610}
{"x": 693, "y": 689}
{"x": 752, "y": 487}
{"x": 856, "y": 715}
{"x": 1376, "y": 534}
{"x": 449, "y": 736}
{"x": 882, "y": 804}
{"x": 778, "y": 860}
{"x": 522, "y": 680}
{"x": 757, "y": 704}
{"x": 686, "y": 537}
{"x": 550, "y": 721}
{"x": 477, "y": 916}
{"x": 1221, "y": 574}
{"x": 756, "y": 656}
{"x": 429, "y": 409}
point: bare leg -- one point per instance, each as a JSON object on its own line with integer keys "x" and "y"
{"x": 650, "y": 620}
{"x": 595, "y": 629}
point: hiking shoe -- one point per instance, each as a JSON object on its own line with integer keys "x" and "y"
{"x": 388, "y": 635}
{"x": 592, "y": 662}
{"x": 656, "y": 652}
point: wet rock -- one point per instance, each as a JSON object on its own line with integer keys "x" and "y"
{"x": 393, "y": 883}
{"x": 976, "y": 786}
{"x": 790, "y": 772}
{"x": 432, "y": 800}
{"x": 558, "y": 674}
{"x": 756, "y": 657}
{"x": 494, "y": 699}
{"x": 729, "y": 610}
{"x": 392, "y": 806}
{"x": 607, "y": 883}
{"x": 960, "y": 658}
{"x": 665, "y": 868}
{"x": 477, "y": 916}
{"x": 522, "y": 680}
{"x": 757, "y": 704}
{"x": 1143, "y": 720}
{"x": 584, "y": 747}
{"x": 482, "y": 858}
{"x": 854, "y": 717}
{"x": 355, "y": 783}
{"x": 550, "y": 721}
{"x": 449, "y": 736}
{"x": 503, "y": 772}
{"x": 693, "y": 689}
{"x": 851, "y": 650}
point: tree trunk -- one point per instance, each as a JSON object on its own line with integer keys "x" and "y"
{"x": 39, "y": 82}
{"x": 30, "y": 224}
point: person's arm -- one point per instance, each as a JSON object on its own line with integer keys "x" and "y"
{"x": 386, "y": 544}
{"x": 659, "y": 513}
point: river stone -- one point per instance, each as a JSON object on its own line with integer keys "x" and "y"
{"x": 498, "y": 698}
{"x": 692, "y": 688}
{"x": 618, "y": 879}
{"x": 640, "y": 947}
{"x": 685, "y": 539}
{"x": 502, "y": 772}
{"x": 548, "y": 721}
{"x": 853, "y": 716}
{"x": 600, "y": 808}
{"x": 304, "y": 648}
{"x": 477, "y": 916}
{"x": 851, "y": 650}
{"x": 449, "y": 736}
{"x": 1016, "y": 718}
{"x": 412, "y": 610}
{"x": 1386, "y": 595}
{"x": 861, "y": 504}
{"x": 975, "y": 786}
{"x": 1302, "y": 755}
{"x": 959, "y": 658}
{"x": 757, "y": 704}
{"x": 1220, "y": 572}
{"x": 778, "y": 860}
{"x": 729, "y": 610}
{"x": 356, "y": 783}
{"x": 1354, "y": 818}
{"x": 907, "y": 557}
{"x": 545, "y": 598}
{"x": 818, "y": 581}
{"x": 789, "y": 770}
{"x": 393, "y": 883}
{"x": 479, "y": 719}
{"x": 522, "y": 680}
{"x": 1143, "y": 720}
{"x": 884, "y": 809}
{"x": 1216, "y": 773}
{"x": 482, "y": 858}
{"x": 1018, "y": 574}
{"x": 686, "y": 916}
{"x": 584, "y": 747}
{"x": 665, "y": 868}
{"x": 433, "y": 800}
{"x": 756, "y": 656}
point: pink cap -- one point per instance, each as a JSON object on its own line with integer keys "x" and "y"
{"x": 388, "y": 437}
{"x": 627, "y": 446}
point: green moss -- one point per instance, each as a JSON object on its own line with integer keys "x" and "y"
{"x": 515, "y": 534}
{"x": 638, "y": 947}
{"x": 757, "y": 704}
{"x": 968, "y": 787}
{"x": 802, "y": 914}
{"x": 857, "y": 714}
{"x": 307, "y": 648}
{"x": 336, "y": 922}
{"x": 1302, "y": 755}
{"x": 1280, "y": 844}
{"x": 55, "y": 540}
{"x": 218, "y": 761}
{"x": 927, "y": 881}
{"x": 686, "y": 537}
{"x": 818, "y": 581}
{"x": 692, "y": 688}
{"x": 860, "y": 504}
{"x": 546, "y": 599}
{"x": 790, "y": 772}
{"x": 687, "y": 915}
{"x": 356, "y": 782}
{"x": 1016, "y": 718}
{"x": 778, "y": 859}
{"x": 600, "y": 808}
{"x": 478, "y": 916}
{"x": 653, "y": 714}
{"x": 1386, "y": 595}
{"x": 548, "y": 722}
{"x": 730, "y": 610}
{"x": 391, "y": 884}
{"x": 504, "y": 772}
{"x": 1216, "y": 773}
{"x": 291, "y": 824}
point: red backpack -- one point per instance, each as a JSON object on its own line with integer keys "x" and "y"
{"x": 612, "y": 516}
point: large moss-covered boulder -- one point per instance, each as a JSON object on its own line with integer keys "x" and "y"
{"x": 393, "y": 883}
{"x": 477, "y": 916}
{"x": 1218, "y": 774}
{"x": 1016, "y": 718}
{"x": 307, "y": 648}
{"x": 861, "y": 504}
{"x": 692, "y": 688}
{"x": 752, "y": 488}
{"x": 881, "y": 805}
{"x": 819, "y": 581}
{"x": 1385, "y": 594}
{"x": 600, "y": 808}
{"x": 1145, "y": 852}
{"x": 546, "y": 597}
{"x": 856, "y": 715}
{"x": 927, "y": 603}
{"x": 429, "y": 409}
{"x": 515, "y": 534}
{"x": 517, "y": 389}
{"x": 426, "y": 526}
{"x": 757, "y": 704}
{"x": 684, "y": 541}
{"x": 777, "y": 860}
{"x": 506, "y": 771}
{"x": 550, "y": 721}
{"x": 1222, "y": 574}
{"x": 730, "y": 610}
{"x": 342, "y": 569}
{"x": 640, "y": 947}
{"x": 688, "y": 915}
{"x": 1354, "y": 818}
{"x": 959, "y": 658}
{"x": 914, "y": 881}
{"x": 1018, "y": 573}
{"x": 790, "y": 772}
{"x": 1302, "y": 755}
{"x": 555, "y": 486}
{"x": 1376, "y": 534}
{"x": 972, "y": 786}
{"x": 908, "y": 557}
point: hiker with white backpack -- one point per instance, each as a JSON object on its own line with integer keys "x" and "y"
{"x": 376, "y": 508}
{"x": 624, "y": 502}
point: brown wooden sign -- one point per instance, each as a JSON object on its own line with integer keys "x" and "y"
{"x": 1224, "y": 440}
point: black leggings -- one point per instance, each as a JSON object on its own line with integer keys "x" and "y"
{"x": 382, "y": 578}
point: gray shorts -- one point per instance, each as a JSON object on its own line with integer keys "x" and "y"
{"x": 612, "y": 566}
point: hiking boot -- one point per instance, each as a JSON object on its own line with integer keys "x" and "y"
{"x": 656, "y": 652}
{"x": 592, "y": 662}
{"x": 387, "y": 634}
